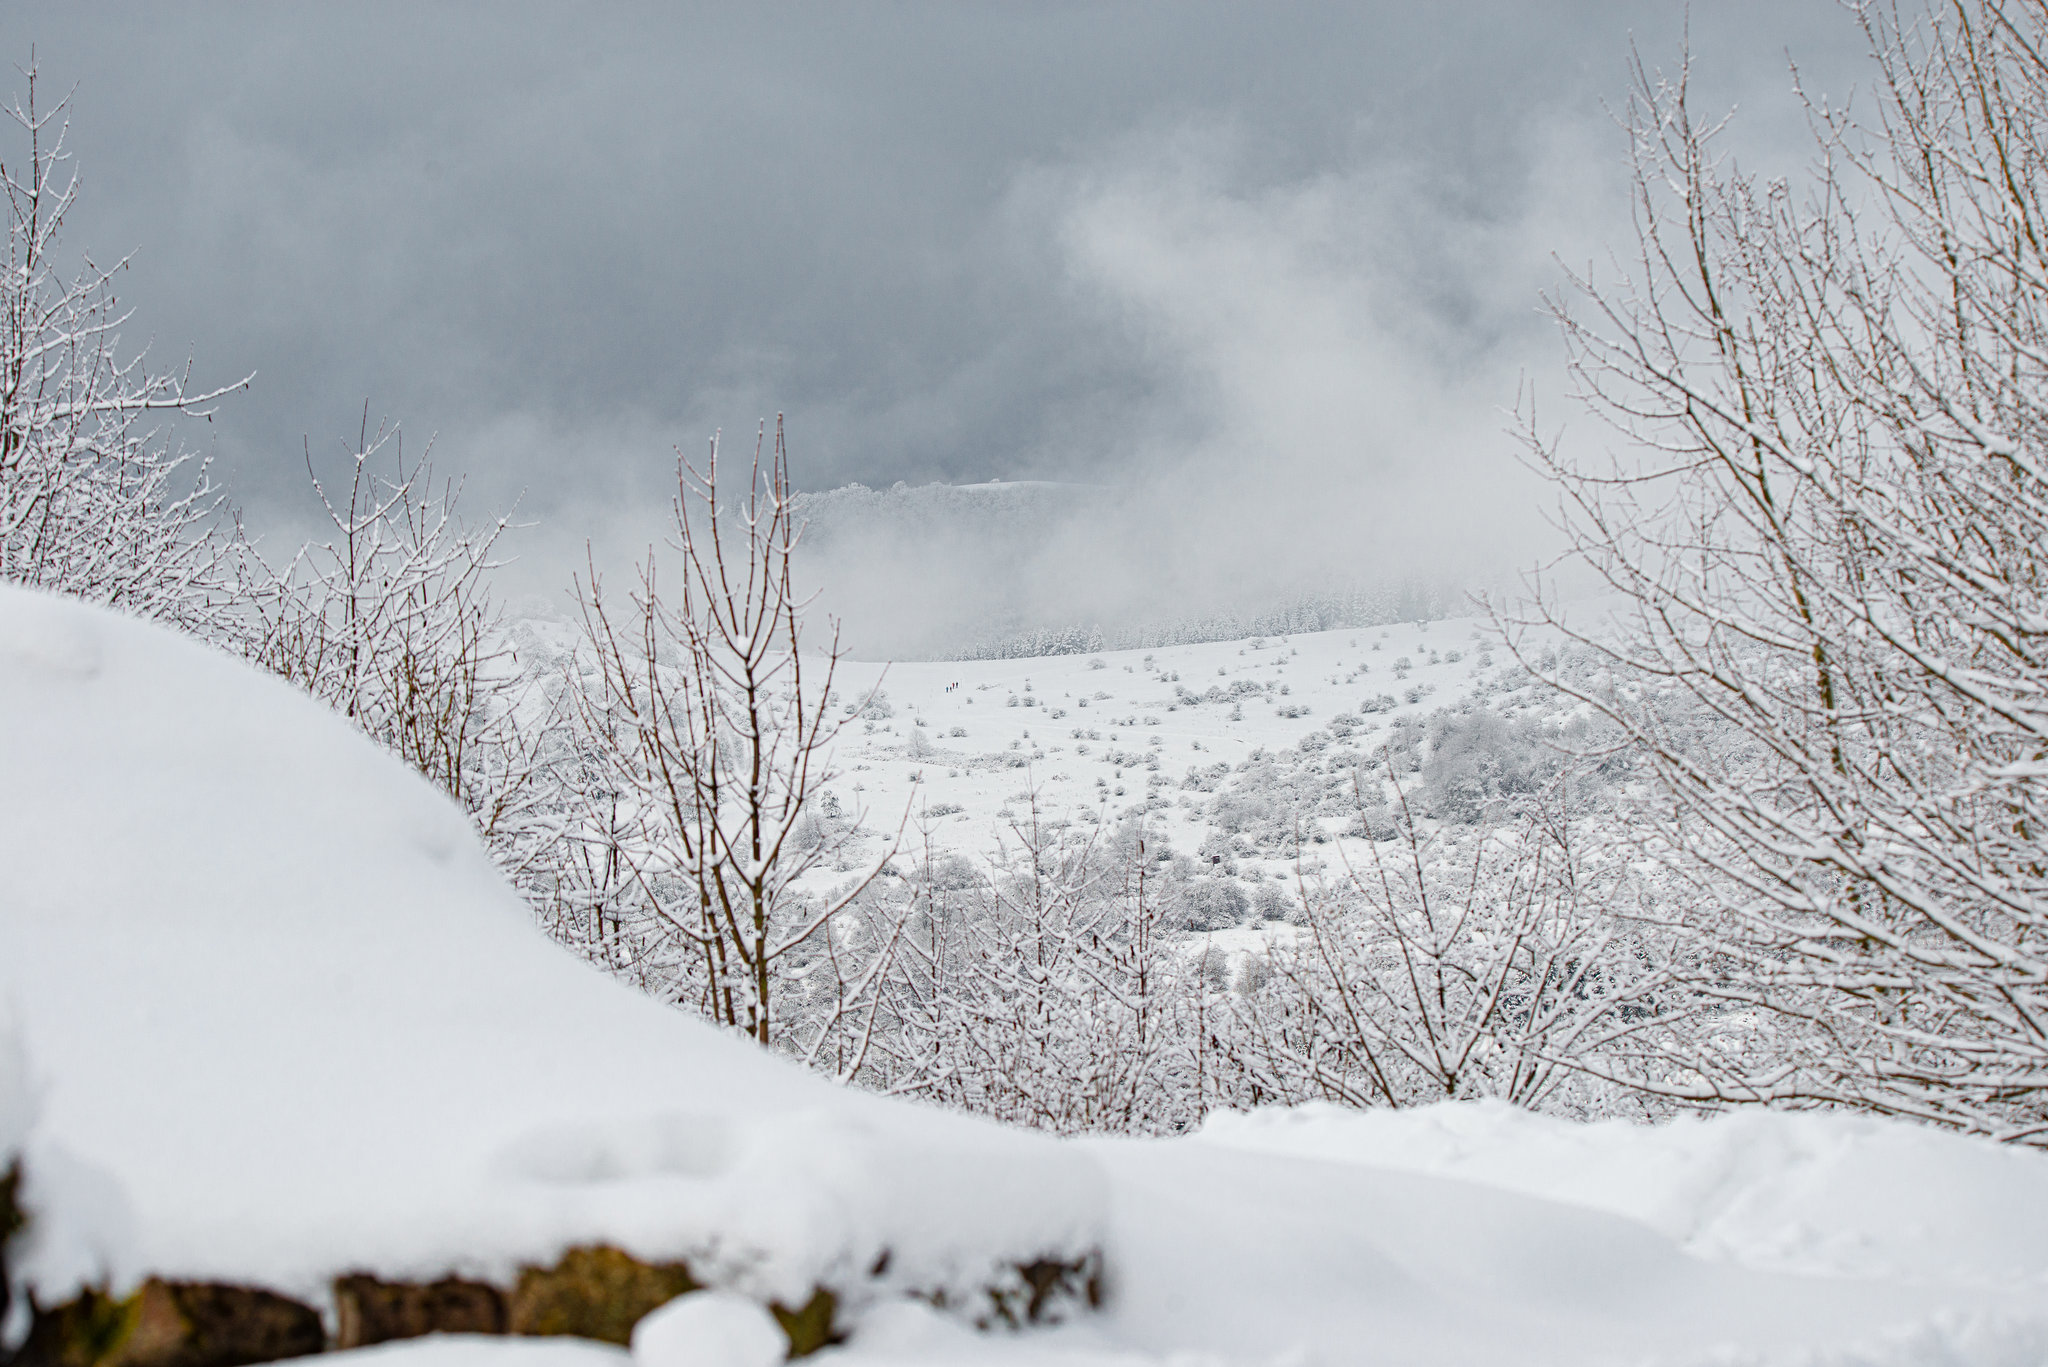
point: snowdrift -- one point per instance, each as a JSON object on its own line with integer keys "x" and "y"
{"x": 1816, "y": 1194}
{"x": 284, "y": 1021}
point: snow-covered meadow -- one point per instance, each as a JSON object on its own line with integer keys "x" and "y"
{"x": 1096, "y": 736}
{"x": 280, "y": 1020}
{"x": 959, "y": 753}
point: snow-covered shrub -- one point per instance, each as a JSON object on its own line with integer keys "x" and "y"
{"x": 1374, "y": 820}
{"x": 390, "y": 622}
{"x": 1043, "y": 992}
{"x": 1271, "y": 902}
{"x": 1836, "y": 385}
{"x": 1478, "y": 758}
{"x": 92, "y": 502}
{"x": 1482, "y": 965}
{"x": 1214, "y": 904}
{"x": 1401, "y": 748}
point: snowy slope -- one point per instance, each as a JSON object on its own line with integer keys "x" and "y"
{"x": 977, "y": 738}
{"x": 961, "y": 747}
{"x": 283, "y": 1020}
{"x": 1813, "y": 1193}
{"x": 286, "y": 1021}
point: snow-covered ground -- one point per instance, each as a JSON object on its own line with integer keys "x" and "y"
{"x": 1096, "y": 736}
{"x": 281, "y": 1020}
{"x": 284, "y": 1019}
{"x": 962, "y": 749}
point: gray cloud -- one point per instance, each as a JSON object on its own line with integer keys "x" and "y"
{"x": 1224, "y": 254}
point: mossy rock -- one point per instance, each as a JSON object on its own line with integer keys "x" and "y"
{"x": 810, "y": 1327}
{"x": 370, "y": 1310}
{"x": 594, "y": 1292}
{"x": 173, "y": 1324}
{"x": 89, "y": 1328}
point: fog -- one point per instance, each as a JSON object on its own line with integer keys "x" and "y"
{"x": 1263, "y": 281}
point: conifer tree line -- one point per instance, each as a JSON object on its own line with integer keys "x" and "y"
{"x": 1791, "y": 849}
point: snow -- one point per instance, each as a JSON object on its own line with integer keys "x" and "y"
{"x": 1131, "y": 702}
{"x": 969, "y": 745}
{"x": 282, "y": 1020}
{"x": 1792, "y": 1193}
{"x": 1356, "y": 1261}
{"x": 711, "y": 1329}
{"x": 286, "y": 1021}
{"x": 16, "y": 1102}
{"x": 471, "y": 1350}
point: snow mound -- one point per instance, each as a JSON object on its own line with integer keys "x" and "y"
{"x": 711, "y": 1329}
{"x": 286, "y": 1021}
{"x": 473, "y": 1350}
{"x": 1813, "y": 1193}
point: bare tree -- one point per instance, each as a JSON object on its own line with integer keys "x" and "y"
{"x": 1826, "y": 531}
{"x": 390, "y": 621}
{"x": 1045, "y": 988}
{"x": 1060, "y": 1004}
{"x": 91, "y": 503}
{"x": 1495, "y": 966}
{"x": 717, "y": 731}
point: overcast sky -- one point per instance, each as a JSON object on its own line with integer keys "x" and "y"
{"x": 1188, "y": 243}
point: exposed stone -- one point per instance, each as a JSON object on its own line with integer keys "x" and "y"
{"x": 1043, "y": 1290}
{"x": 594, "y": 1292}
{"x": 810, "y": 1328}
{"x": 173, "y": 1324}
{"x": 369, "y": 1310}
{"x": 84, "y": 1330}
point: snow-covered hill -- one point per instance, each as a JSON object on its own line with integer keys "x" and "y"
{"x": 1240, "y": 757}
{"x": 286, "y": 1021}
{"x": 965, "y": 747}
{"x": 282, "y": 1021}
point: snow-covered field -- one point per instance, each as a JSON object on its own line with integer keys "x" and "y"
{"x": 1095, "y": 736}
{"x": 281, "y": 1020}
{"x": 958, "y": 751}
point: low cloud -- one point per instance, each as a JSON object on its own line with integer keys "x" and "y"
{"x": 1330, "y": 364}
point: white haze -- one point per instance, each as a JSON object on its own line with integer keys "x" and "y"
{"x": 1335, "y": 361}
